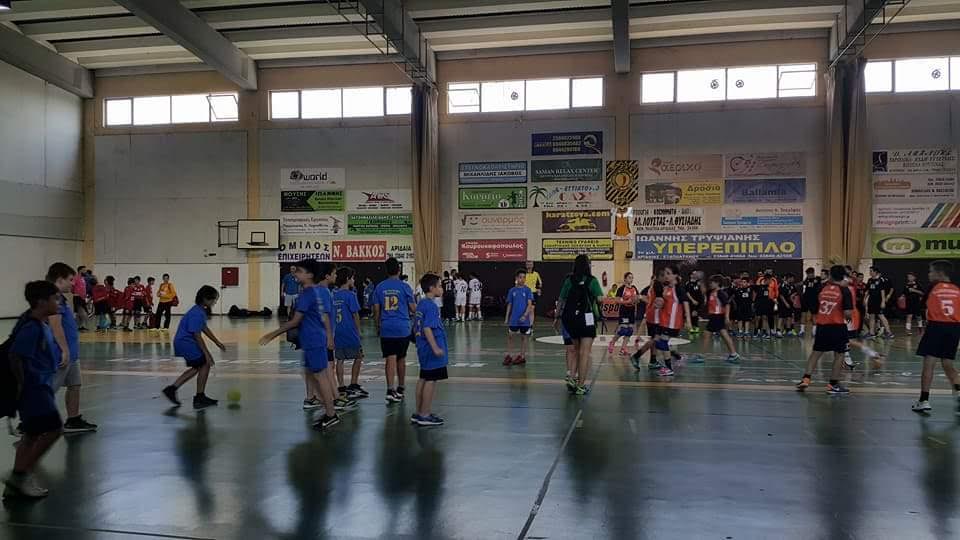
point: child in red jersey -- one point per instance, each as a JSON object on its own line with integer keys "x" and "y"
{"x": 942, "y": 337}
{"x": 835, "y": 309}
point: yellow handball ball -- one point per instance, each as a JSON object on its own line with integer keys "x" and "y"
{"x": 233, "y": 396}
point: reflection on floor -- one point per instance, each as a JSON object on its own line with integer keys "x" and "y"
{"x": 719, "y": 451}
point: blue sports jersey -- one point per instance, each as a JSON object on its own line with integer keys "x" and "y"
{"x": 290, "y": 284}
{"x": 428, "y": 316}
{"x": 313, "y": 334}
{"x": 35, "y": 344}
{"x": 394, "y": 298}
{"x": 346, "y": 333}
{"x": 518, "y": 298}
{"x": 70, "y": 331}
{"x": 326, "y": 306}
{"x": 185, "y": 342}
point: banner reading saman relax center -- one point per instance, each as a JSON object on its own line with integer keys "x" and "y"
{"x": 786, "y": 245}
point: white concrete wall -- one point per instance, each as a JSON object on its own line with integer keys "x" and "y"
{"x": 41, "y": 204}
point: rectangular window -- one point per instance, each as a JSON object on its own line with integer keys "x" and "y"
{"x": 799, "y": 80}
{"x": 878, "y": 76}
{"x": 758, "y": 82}
{"x": 955, "y": 73}
{"x": 463, "y": 98}
{"x": 192, "y": 108}
{"x": 362, "y": 102}
{"x": 148, "y": 111}
{"x": 320, "y": 103}
{"x": 922, "y": 75}
{"x": 657, "y": 87}
{"x": 224, "y": 107}
{"x": 502, "y": 96}
{"x": 284, "y": 105}
{"x": 587, "y": 92}
{"x": 399, "y": 100}
{"x": 701, "y": 85}
{"x": 118, "y": 112}
{"x": 547, "y": 94}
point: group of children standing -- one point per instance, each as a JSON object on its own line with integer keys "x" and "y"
{"x": 461, "y": 297}
{"x": 136, "y": 304}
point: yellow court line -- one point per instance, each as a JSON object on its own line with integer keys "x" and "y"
{"x": 521, "y": 382}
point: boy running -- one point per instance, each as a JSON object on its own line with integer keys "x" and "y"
{"x": 718, "y": 309}
{"x": 392, "y": 306}
{"x": 519, "y": 317}
{"x": 836, "y": 308}
{"x": 346, "y": 334}
{"x": 940, "y": 340}
{"x": 188, "y": 344}
{"x": 431, "y": 351}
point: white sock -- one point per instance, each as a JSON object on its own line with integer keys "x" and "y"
{"x": 814, "y": 331}
{"x": 802, "y": 327}
{"x": 909, "y": 326}
{"x": 846, "y": 356}
{"x": 870, "y": 352}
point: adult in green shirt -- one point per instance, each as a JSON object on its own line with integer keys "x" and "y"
{"x": 579, "y": 313}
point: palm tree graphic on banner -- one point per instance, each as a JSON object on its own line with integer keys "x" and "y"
{"x": 537, "y": 193}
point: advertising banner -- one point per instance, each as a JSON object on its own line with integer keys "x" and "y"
{"x": 567, "y": 249}
{"x": 567, "y": 196}
{"x": 916, "y": 160}
{"x": 402, "y": 250}
{"x": 493, "y": 172}
{"x": 576, "y": 221}
{"x": 610, "y": 308}
{"x": 315, "y": 179}
{"x": 623, "y": 182}
{"x": 380, "y": 224}
{"x": 505, "y": 198}
{"x": 916, "y": 216}
{"x": 492, "y": 250}
{"x": 311, "y": 201}
{"x": 312, "y": 224}
{"x": 513, "y": 225}
{"x": 684, "y": 193}
{"x": 566, "y": 170}
{"x": 359, "y": 250}
{"x": 785, "y": 245}
{"x": 765, "y": 164}
{"x": 668, "y": 219}
{"x": 379, "y": 200}
{"x": 567, "y": 143}
{"x": 765, "y": 191}
{"x": 772, "y": 217}
{"x": 914, "y": 187}
{"x": 683, "y": 167}
{"x": 916, "y": 245}
{"x": 292, "y": 251}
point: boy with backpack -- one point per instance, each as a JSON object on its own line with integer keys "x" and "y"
{"x": 30, "y": 353}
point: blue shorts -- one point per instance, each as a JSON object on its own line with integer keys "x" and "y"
{"x": 624, "y": 331}
{"x": 195, "y": 362}
{"x": 316, "y": 360}
{"x": 522, "y": 330}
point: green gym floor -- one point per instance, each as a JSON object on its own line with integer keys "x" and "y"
{"x": 719, "y": 451}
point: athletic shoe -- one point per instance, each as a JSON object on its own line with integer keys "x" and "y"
{"x": 311, "y": 404}
{"x": 78, "y": 425}
{"x": 696, "y": 359}
{"x": 127, "y": 329}
{"x": 171, "y": 393}
{"x": 888, "y": 335}
{"x": 654, "y": 365}
{"x": 400, "y": 392}
{"x": 733, "y": 359}
{"x": 570, "y": 382}
{"x": 507, "y": 360}
{"x": 355, "y": 391}
{"x": 520, "y": 360}
{"x": 24, "y": 485}
{"x": 801, "y": 334}
{"x": 610, "y": 348}
{"x": 803, "y": 384}
{"x": 909, "y": 332}
{"x": 665, "y": 372}
{"x": 921, "y": 406}
{"x": 344, "y": 404}
{"x": 201, "y": 401}
{"x": 326, "y": 422}
{"x": 392, "y": 397}
{"x": 837, "y": 389}
{"x": 848, "y": 362}
{"x": 581, "y": 390}
{"x": 635, "y": 360}
{"x": 623, "y": 351}
{"x": 429, "y": 420}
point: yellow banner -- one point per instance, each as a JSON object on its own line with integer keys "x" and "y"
{"x": 708, "y": 193}
{"x": 567, "y": 249}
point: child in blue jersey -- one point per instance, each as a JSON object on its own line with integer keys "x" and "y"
{"x": 188, "y": 344}
{"x": 519, "y": 317}
{"x": 347, "y": 333}
{"x": 34, "y": 356}
{"x": 431, "y": 351}
{"x": 392, "y": 306}
{"x": 66, "y": 336}
{"x": 312, "y": 320}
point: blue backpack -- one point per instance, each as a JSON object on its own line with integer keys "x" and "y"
{"x": 11, "y": 372}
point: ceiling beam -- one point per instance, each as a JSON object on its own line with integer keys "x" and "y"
{"x": 620, "y": 12}
{"x": 425, "y": 9}
{"x": 195, "y": 35}
{"x": 854, "y": 31}
{"x": 28, "y": 55}
{"x": 403, "y": 35}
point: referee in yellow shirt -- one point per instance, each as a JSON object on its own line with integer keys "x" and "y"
{"x": 535, "y": 284}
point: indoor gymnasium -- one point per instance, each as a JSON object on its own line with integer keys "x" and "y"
{"x": 479, "y": 269}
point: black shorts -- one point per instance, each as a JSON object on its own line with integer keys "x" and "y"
{"x": 785, "y": 313}
{"x": 940, "y": 340}
{"x": 810, "y": 305}
{"x": 914, "y": 306}
{"x": 38, "y": 425}
{"x": 873, "y": 307}
{"x": 831, "y": 338}
{"x": 744, "y": 314}
{"x": 79, "y": 303}
{"x": 717, "y": 323}
{"x": 669, "y": 332}
{"x": 764, "y": 307}
{"x": 102, "y": 308}
{"x": 577, "y": 328}
{"x": 522, "y": 330}
{"x": 394, "y": 346}
{"x": 535, "y": 298}
{"x": 439, "y": 374}
{"x": 139, "y": 306}
{"x": 652, "y": 329}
